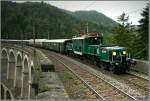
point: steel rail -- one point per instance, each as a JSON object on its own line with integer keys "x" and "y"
{"x": 90, "y": 87}
{"x": 115, "y": 87}
{"x": 132, "y": 73}
{"x": 134, "y": 83}
{"x": 106, "y": 82}
{"x": 139, "y": 77}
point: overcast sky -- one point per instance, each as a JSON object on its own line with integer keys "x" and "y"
{"x": 111, "y": 9}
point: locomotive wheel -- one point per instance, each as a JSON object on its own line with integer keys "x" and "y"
{"x": 112, "y": 68}
{"x": 99, "y": 64}
{"x": 84, "y": 59}
{"x": 123, "y": 70}
{"x": 107, "y": 68}
{"x": 95, "y": 63}
{"x": 116, "y": 70}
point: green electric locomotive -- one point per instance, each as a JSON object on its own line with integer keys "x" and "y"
{"x": 91, "y": 47}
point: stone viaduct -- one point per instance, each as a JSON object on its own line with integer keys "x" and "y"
{"x": 27, "y": 73}
{"x": 17, "y": 69}
{"x": 22, "y": 68}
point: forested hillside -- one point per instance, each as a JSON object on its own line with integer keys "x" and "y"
{"x": 106, "y": 24}
{"x": 95, "y": 17}
{"x": 20, "y": 18}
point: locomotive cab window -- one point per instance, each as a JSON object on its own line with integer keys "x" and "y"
{"x": 94, "y": 40}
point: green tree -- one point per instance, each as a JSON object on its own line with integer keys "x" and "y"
{"x": 142, "y": 36}
{"x": 123, "y": 34}
{"x": 20, "y": 18}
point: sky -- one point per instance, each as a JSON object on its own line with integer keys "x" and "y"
{"x": 111, "y": 9}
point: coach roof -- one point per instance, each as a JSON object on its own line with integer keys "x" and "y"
{"x": 38, "y": 40}
{"x": 57, "y": 40}
{"x": 82, "y": 37}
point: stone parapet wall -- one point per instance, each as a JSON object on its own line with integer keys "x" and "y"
{"x": 141, "y": 66}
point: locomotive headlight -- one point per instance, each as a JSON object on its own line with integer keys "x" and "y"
{"x": 124, "y": 52}
{"x": 114, "y": 53}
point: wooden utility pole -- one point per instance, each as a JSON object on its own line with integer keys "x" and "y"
{"x": 7, "y": 38}
{"x": 48, "y": 35}
{"x": 34, "y": 39}
{"x": 22, "y": 39}
{"x": 87, "y": 29}
{"x": 22, "y": 61}
{"x": 35, "y": 82}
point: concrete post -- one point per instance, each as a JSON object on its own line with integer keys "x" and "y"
{"x": 29, "y": 89}
{"x": 22, "y": 83}
{"x": 4, "y": 66}
{"x": 26, "y": 85}
{"x": 7, "y": 70}
{"x": 15, "y": 78}
{"x": 11, "y": 71}
{"x": 29, "y": 83}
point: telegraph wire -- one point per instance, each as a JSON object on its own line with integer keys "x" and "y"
{"x": 89, "y": 5}
{"x": 85, "y": 8}
{"x": 118, "y": 15}
{"x": 128, "y": 13}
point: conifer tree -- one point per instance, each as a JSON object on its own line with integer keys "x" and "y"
{"x": 142, "y": 48}
{"x": 122, "y": 34}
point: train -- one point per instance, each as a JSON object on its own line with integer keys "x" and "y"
{"x": 90, "y": 47}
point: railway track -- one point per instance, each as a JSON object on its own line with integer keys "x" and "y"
{"x": 103, "y": 89}
{"x": 133, "y": 80}
{"x": 139, "y": 83}
{"x": 60, "y": 68}
{"x": 136, "y": 83}
{"x": 143, "y": 76}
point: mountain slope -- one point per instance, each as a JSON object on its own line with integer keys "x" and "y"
{"x": 97, "y": 18}
{"x": 19, "y": 18}
{"x": 46, "y": 19}
{"x": 94, "y": 16}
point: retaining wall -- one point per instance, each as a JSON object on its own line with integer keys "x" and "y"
{"x": 141, "y": 66}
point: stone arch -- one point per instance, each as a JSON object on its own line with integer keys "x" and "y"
{"x": 11, "y": 66}
{"x": 2, "y": 92}
{"x": 4, "y": 53}
{"x": 4, "y": 63}
{"x": 18, "y": 71}
{"x": 5, "y": 92}
{"x": 25, "y": 77}
{"x": 31, "y": 90}
{"x": 8, "y": 95}
{"x": 31, "y": 71}
{"x": 11, "y": 52}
